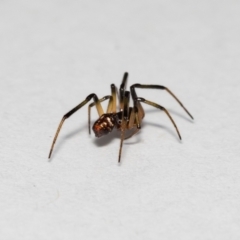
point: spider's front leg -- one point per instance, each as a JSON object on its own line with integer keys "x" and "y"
{"x": 112, "y": 104}
{"x": 130, "y": 118}
{"x": 67, "y": 115}
{"x": 109, "y": 109}
{"x": 125, "y": 118}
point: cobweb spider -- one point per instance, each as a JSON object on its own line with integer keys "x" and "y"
{"x": 126, "y": 118}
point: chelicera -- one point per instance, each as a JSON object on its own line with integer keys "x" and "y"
{"x": 125, "y": 117}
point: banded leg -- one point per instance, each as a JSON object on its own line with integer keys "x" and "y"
{"x": 112, "y": 105}
{"x": 131, "y": 123}
{"x": 122, "y": 90}
{"x": 161, "y": 108}
{"x": 109, "y": 109}
{"x": 137, "y": 85}
{"x": 125, "y": 116}
{"x": 67, "y": 115}
{"x": 114, "y": 98}
{"x": 137, "y": 108}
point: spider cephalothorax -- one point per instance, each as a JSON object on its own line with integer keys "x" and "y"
{"x": 126, "y": 118}
{"x": 104, "y": 124}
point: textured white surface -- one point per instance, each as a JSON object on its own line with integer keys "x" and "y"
{"x": 54, "y": 53}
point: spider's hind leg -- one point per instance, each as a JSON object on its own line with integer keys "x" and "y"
{"x": 137, "y": 85}
{"x": 161, "y": 108}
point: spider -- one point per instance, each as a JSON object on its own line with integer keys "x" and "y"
{"x": 126, "y": 118}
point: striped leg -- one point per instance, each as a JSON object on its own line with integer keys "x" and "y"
{"x": 67, "y": 115}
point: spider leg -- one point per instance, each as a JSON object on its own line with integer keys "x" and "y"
{"x": 122, "y": 91}
{"x": 137, "y": 85}
{"x": 125, "y": 117}
{"x": 131, "y": 123}
{"x": 114, "y": 98}
{"x": 112, "y": 105}
{"x": 132, "y": 118}
{"x": 67, "y": 115}
{"x": 137, "y": 108}
{"x": 161, "y": 108}
{"x": 126, "y": 105}
{"x": 123, "y": 127}
{"x": 109, "y": 109}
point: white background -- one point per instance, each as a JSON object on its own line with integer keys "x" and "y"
{"x": 53, "y": 54}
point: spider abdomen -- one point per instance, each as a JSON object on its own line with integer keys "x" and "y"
{"x": 104, "y": 124}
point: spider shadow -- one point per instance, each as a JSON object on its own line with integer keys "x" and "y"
{"x": 172, "y": 112}
{"x": 105, "y": 140}
{"x": 115, "y": 134}
{"x": 168, "y": 130}
{"x": 64, "y": 139}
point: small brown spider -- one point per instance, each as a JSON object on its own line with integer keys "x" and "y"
{"x": 126, "y": 118}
